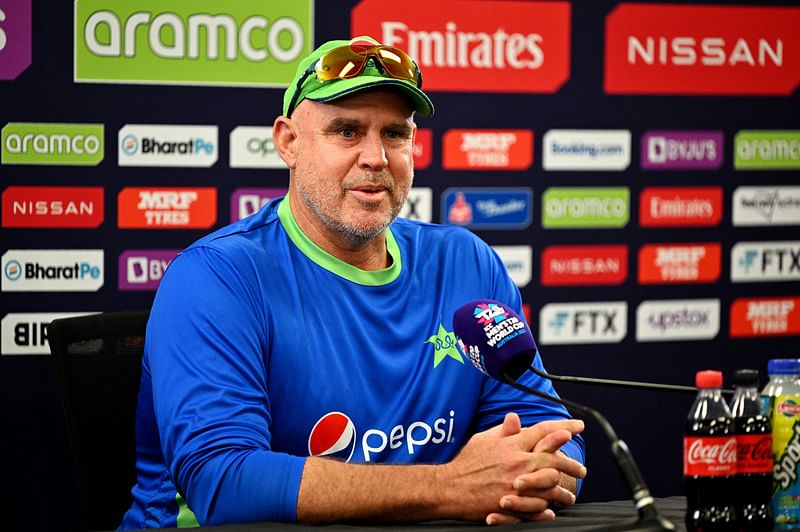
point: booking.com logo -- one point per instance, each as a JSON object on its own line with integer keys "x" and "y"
{"x": 13, "y": 270}
{"x": 334, "y": 435}
{"x": 130, "y": 144}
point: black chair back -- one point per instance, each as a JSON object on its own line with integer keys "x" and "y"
{"x": 98, "y": 361}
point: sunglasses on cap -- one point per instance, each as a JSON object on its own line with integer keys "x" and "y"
{"x": 350, "y": 61}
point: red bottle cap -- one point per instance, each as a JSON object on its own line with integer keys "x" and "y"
{"x": 708, "y": 379}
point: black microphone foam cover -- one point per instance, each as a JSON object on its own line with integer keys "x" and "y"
{"x": 494, "y": 337}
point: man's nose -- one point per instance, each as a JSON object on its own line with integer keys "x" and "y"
{"x": 373, "y": 153}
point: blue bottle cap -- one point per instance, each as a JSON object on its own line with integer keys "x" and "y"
{"x": 783, "y": 366}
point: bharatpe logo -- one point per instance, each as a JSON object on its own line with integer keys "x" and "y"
{"x": 488, "y": 208}
{"x": 242, "y": 43}
{"x": 253, "y": 147}
{"x": 15, "y": 38}
{"x": 61, "y": 144}
{"x": 26, "y": 334}
{"x": 418, "y": 205}
{"x": 518, "y": 261}
{"x": 142, "y": 269}
{"x": 520, "y": 47}
{"x": 682, "y": 150}
{"x": 499, "y": 149}
{"x": 767, "y": 316}
{"x": 156, "y": 145}
{"x": 767, "y": 150}
{"x": 584, "y": 265}
{"x": 765, "y": 261}
{"x": 671, "y": 320}
{"x": 583, "y": 323}
{"x": 766, "y": 205}
{"x": 684, "y": 49}
{"x": 334, "y": 435}
{"x": 48, "y": 270}
{"x": 680, "y": 206}
{"x": 247, "y": 201}
{"x": 586, "y": 149}
{"x": 585, "y": 208}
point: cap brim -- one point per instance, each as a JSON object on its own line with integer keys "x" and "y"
{"x": 343, "y": 87}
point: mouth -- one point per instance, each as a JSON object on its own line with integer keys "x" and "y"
{"x": 369, "y": 193}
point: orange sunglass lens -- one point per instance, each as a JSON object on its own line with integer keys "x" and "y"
{"x": 349, "y": 61}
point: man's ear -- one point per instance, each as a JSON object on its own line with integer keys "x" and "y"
{"x": 284, "y": 135}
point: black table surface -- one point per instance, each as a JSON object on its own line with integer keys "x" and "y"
{"x": 586, "y": 516}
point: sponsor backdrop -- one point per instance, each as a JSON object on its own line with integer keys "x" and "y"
{"x": 636, "y": 165}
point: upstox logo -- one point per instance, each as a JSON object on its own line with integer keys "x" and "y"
{"x": 585, "y": 207}
{"x": 767, "y": 150}
{"x": 160, "y": 145}
{"x": 765, "y": 261}
{"x": 671, "y": 320}
{"x": 247, "y": 42}
{"x": 49, "y": 270}
{"x": 583, "y": 323}
{"x": 62, "y": 144}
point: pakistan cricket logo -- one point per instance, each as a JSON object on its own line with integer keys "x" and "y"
{"x": 444, "y": 345}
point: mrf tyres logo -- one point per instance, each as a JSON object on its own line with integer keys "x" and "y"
{"x": 583, "y": 323}
{"x": 679, "y": 263}
{"x": 157, "y": 145}
{"x": 488, "y": 208}
{"x": 585, "y": 208}
{"x": 765, "y": 261}
{"x": 335, "y": 435}
{"x": 244, "y": 43}
{"x": 682, "y": 150}
{"x": 476, "y": 46}
{"x": 768, "y": 316}
{"x": 167, "y": 208}
{"x": 766, "y": 205}
{"x": 61, "y": 144}
{"x": 672, "y": 320}
{"x": 499, "y": 149}
{"x": 586, "y": 149}
{"x": 686, "y": 49}
{"x": 48, "y": 270}
{"x": 767, "y": 150}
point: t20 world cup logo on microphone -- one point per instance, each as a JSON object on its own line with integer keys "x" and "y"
{"x": 333, "y": 435}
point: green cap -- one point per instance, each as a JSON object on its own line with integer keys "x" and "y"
{"x": 318, "y": 91}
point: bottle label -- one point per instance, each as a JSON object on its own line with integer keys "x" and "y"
{"x": 709, "y": 456}
{"x": 786, "y": 449}
{"x": 754, "y": 453}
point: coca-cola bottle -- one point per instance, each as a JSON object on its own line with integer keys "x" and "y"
{"x": 709, "y": 459}
{"x": 753, "y": 432}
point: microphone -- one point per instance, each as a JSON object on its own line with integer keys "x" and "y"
{"x": 500, "y": 345}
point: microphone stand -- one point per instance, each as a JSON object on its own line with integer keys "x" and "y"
{"x": 649, "y": 519}
{"x": 619, "y": 383}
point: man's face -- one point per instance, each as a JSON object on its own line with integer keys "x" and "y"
{"x": 354, "y": 163}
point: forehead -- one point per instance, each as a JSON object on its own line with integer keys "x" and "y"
{"x": 387, "y": 104}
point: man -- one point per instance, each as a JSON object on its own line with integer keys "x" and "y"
{"x": 323, "y": 326}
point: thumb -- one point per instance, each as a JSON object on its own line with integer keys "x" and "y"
{"x": 511, "y": 425}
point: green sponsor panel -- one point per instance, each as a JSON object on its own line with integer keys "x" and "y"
{"x": 585, "y": 208}
{"x": 766, "y": 150}
{"x": 202, "y": 42}
{"x": 62, "y": 144}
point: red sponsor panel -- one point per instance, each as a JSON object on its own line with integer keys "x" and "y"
{"x": 526, "y": 310}
{"x": 423, "y": 148}
{"x": 475, "y": 46}
{"x": 167, "y": 208}
{"x": 584, "y": 265}
{"x": 679, "y": 263}
{"x": 680, "y": 206}
{"x": 765, "y": 316}
{"x": 702, "y": 49}
{"x": 498, "y": 149}
{"x": 709, "y": 456}
{"x": 53, "y": 207}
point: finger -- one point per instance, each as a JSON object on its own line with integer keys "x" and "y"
{"x": 553, "y": 441}
{"x": 522, "y": 506}
{"x": 532, "y": 435}
{"x": 511, "y": 425}
{"x": 511, "y": 519}
{"x": 557, "y": 494}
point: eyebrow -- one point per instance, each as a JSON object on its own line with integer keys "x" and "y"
{"x": 337, "y": 124}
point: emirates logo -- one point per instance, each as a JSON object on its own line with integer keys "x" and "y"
{"x": 712, "y": 454}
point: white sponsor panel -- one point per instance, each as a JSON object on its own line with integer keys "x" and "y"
{"x": 518, "y": 261}
{"x": 49, "y": 270}
{"x": 677, "y": 319}
{"x": 765, "y": 261}
{"x": 26, "y": 333}
{"x": 418, "y": 205}
{"x": 586, "y": 149}
{"x": 167, "y": 145}
{"x": 253, "y": 147}
{"x": 770, "y": 205}
{"x": 583, "y": 323}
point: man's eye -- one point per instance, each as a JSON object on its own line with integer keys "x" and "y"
{"x": 348, "y": 133}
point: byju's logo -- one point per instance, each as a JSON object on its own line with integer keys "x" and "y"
{"x": 53, "y": 207}
{"x": 62, "y": 144}
{"x": 247, "y": 201}
{"x": 253, "y": 147}
{"x": 48, "y": 270}
{"x": 418, "y": 205}
{"x": 586, "y": 149}
{"x": 768, "y": 316}
{"x": 15, "y": 38}
{"x": 766, "y": 206}
{"x": 670, "y": 320}
{"x": 583, "y": 323}
{"x": 475, "y": 149}
{"x": 682, "y": 150}
{"x": 765, "y": 261}
{"x": 142, "y": 269}
{"x": 335, "y": 435}
{"x": 488, "y": 208}
{"x": 159, "y": 145}
{"x": 767, "y": 150}
{"x": 680, "y": 206}
{"x": 584, "y": 208}
{"x": 26, "y": 334}
{"x": 518, "y": 261}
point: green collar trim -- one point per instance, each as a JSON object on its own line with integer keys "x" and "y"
{"x": 335, "y": 265}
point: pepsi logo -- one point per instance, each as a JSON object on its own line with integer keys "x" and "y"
{"x": 333, "y": 435}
